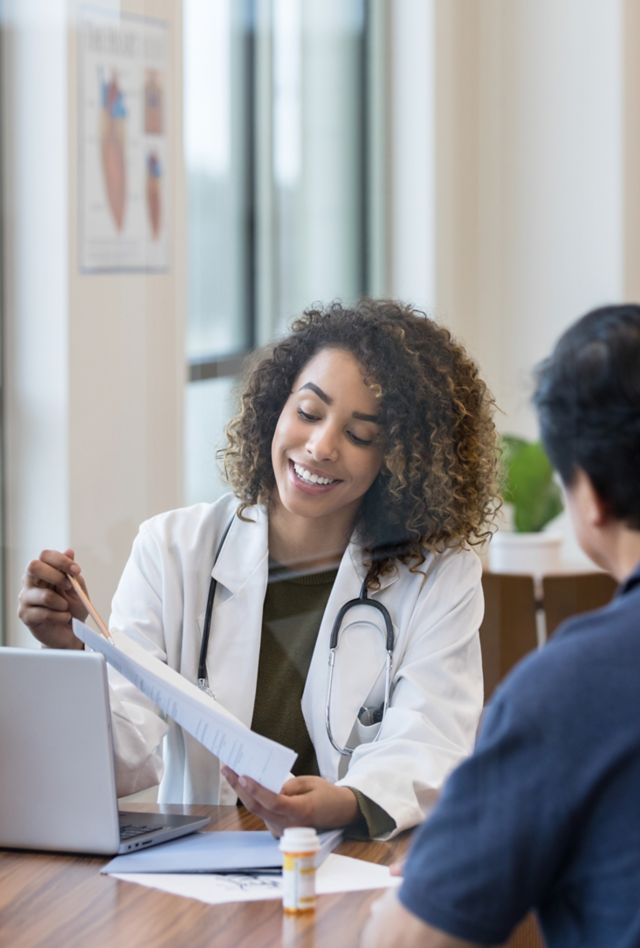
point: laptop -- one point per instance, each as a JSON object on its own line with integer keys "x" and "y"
{"x": 58, "y": 789}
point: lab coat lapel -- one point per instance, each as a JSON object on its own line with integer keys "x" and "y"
{"x": 360, "y": 661}
{"x": 241, "y": 572}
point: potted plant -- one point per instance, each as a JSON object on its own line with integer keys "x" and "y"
{"x": 533, "y": 499}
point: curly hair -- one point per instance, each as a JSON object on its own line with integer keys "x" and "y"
{"x": 437, "y": 486}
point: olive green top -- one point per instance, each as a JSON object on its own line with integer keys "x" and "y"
{"x": 293, "y": 609}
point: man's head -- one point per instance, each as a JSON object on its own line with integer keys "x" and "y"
{"x": 588, "y": 402}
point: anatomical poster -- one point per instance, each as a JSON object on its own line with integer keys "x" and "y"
{"x": 123, "y": 154}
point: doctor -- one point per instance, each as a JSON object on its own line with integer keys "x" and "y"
{"x": 363, "y": 464}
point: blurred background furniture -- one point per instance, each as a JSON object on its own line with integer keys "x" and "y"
{"x": 523, "y": 611}
{"x": 567, "y": 594}
{"x": 508, "y": 630}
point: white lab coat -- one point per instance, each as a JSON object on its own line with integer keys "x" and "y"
{"x": 437, "y": 687}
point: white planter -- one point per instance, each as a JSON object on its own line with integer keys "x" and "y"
{"x": 532, "y": 553}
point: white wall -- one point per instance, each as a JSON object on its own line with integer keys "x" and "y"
{"x": 94, "y": 363}
{"x": 534, "y": 138}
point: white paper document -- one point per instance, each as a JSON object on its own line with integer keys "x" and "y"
{"x": 336, "y": 874}
{"x": 236, "y": 745}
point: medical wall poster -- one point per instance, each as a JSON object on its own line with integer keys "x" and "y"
{"x": 123, "y": 153}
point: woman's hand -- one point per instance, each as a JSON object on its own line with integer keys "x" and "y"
{"x": 303, "y": 801}
{"x": 47, "y": 600}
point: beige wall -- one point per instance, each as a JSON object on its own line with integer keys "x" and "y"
{"x": 533, "y": 117}
{"x": 95, "y": 363}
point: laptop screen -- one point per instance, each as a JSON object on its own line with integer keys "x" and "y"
{"x": 56, "y": 746}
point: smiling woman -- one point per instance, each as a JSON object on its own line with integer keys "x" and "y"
{"x": 325, "y": 454}
{"x": 424, "y": 406}
{"x": 363, "y": 468}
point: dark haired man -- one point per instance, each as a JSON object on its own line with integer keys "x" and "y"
{"x": 545, "y": 814}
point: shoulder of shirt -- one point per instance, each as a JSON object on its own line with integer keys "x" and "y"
{"x": 572, "y": 659}
{"x": 201, "y": 515}
{"x": 457, "y": 564}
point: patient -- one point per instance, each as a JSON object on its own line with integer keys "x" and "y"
{"x": 545, "y": 815}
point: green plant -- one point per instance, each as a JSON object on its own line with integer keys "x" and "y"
{"x": 529, "y": 485}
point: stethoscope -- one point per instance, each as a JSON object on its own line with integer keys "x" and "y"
{"x": 366, "y": 716}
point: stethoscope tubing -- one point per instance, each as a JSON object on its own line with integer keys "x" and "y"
{"x": 203, "y": 680}
{"x": 362, "y": 599}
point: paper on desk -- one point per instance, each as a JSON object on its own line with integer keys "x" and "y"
{"x": 201, "y": 715}
{"x": 337, "y": 874}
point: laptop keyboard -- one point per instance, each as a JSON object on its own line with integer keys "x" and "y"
{"x": 128, "y": 830}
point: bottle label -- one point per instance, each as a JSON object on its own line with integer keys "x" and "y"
{"x": 298, "y": 881}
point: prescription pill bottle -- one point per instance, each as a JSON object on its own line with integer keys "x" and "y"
{"x": 299, "y": 846}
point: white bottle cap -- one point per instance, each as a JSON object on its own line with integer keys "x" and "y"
{"x": 299, "y": 839}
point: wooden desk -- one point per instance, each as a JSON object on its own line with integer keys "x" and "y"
{"x": 62, "y": 900}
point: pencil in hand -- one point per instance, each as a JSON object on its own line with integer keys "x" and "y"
{"x": 91, "y": 609}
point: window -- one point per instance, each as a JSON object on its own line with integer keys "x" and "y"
{"x": 275, "y": 131}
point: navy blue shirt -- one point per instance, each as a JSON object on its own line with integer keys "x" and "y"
{"x": 546, "y": 812}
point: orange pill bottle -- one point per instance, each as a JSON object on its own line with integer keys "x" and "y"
{"x": 299, "y": 846}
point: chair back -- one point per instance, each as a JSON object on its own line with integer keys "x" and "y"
{"x": 567, "y": 594}
{"x": 508, "y": 630}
